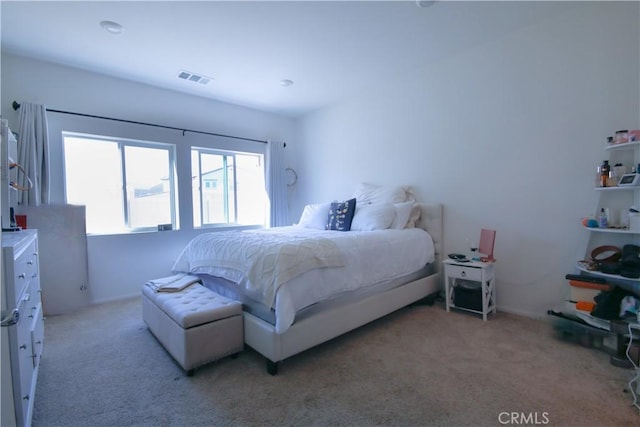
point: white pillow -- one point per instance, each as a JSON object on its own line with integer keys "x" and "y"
{"x": 373, "y": 217}
{"x": 403, "y": 211}
{"x": 416, "y": 212}
{"x": 315, "y": 216}
{"x": 370, "y": 194}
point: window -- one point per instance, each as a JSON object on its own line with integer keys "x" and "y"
{"x": 228, "y": 188}
{"x": 125, "y": 185}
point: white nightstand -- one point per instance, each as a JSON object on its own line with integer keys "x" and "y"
{"x": 482, "y": 273}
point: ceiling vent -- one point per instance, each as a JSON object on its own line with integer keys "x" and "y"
{"x": 193, "y": 77}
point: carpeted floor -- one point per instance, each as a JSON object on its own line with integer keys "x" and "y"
{"x": 418, "y": 366}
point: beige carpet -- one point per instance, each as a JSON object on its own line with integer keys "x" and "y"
{"x": 418, "y": 366}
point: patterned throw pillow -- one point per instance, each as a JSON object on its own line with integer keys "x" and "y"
{"x": 341, "y": 215}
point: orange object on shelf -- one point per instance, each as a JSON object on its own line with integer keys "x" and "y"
{"x": 585, "y": 306}
{"x": 21, "y": 221}
{"x": 590, "y": 285}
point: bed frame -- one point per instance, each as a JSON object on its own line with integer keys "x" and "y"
{"x": 326, "y": 325}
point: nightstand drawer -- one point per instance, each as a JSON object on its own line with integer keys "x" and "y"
{"x": 461, "y": 272}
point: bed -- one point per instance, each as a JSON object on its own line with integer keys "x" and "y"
{"x": 305, "y": 303}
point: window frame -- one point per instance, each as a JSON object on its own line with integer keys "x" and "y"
{"x": 225, "y": 153}
{"x": 121, "y": 144}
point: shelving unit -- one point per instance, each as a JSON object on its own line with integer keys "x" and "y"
{"x": 617, "y": 199}
{"x": 621, "y": 198}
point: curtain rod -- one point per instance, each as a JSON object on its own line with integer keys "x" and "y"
{"x": 16, "y": 105}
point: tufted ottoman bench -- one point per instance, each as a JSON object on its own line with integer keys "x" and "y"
{"x": 195, "y": 325}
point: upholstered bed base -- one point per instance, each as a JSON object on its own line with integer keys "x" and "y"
{"x": 325, "y": 325}
{"x": 311, "y": 331}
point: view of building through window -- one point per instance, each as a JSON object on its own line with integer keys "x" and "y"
{"x": 227, "y": 188}
{"x": 125, "y": 185}
{"x": 129, "y": 185}
{"x": 148, "y": 189}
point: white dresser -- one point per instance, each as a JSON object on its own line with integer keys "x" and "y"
{"x": 22, "y": 326}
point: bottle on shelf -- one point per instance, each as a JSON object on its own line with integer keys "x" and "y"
{"x": 603, "y": 221}
{"x": 605, "y": 168}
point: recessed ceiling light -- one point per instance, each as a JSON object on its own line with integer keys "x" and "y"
{"x": 425, "y": 3}
{"x": 286, "y": 82}
{"x": 112, "y": 27}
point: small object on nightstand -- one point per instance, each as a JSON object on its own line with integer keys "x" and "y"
{"x": 487, "y": 242}
{"x": 473, "y": 251}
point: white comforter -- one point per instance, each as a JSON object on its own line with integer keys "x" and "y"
{"x": 283, "y": 278}
{"x": 259, "y": 260}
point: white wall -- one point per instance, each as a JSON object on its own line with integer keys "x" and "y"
{"x": 120, "y": 264}
{"x": 506, "y": 136}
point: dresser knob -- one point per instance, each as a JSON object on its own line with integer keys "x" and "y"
{"x": 23, "y": 347}
{"x": 26, "y": 397}
{"x": 464, "y": 273}
{"x": 21, "y": 276}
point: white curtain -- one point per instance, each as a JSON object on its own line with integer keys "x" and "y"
{"x": 33, "y": 154}
{"x": 277, "y": 184}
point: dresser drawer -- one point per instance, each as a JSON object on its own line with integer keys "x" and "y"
{"x": 21, "y": 339}
{"x": 24, "y": 350}
{"x": 25, "y": 269}
{"x": 37, "y": 334}
{"x": 464, "y": 272}
{"x": 32, "y": 295}
{"x": 27, "y": 371}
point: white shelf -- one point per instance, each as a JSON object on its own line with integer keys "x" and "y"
{"x": 622, "y": 146}
{"x": 610, "y": 276}
{"x": 623, "y": 188}
{"x": 611, "y": 230}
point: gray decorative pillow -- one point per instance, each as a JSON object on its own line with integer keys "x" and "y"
{"x": 341, "y": 215}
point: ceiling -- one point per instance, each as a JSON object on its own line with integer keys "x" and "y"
{"x": 329, "y": 49}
